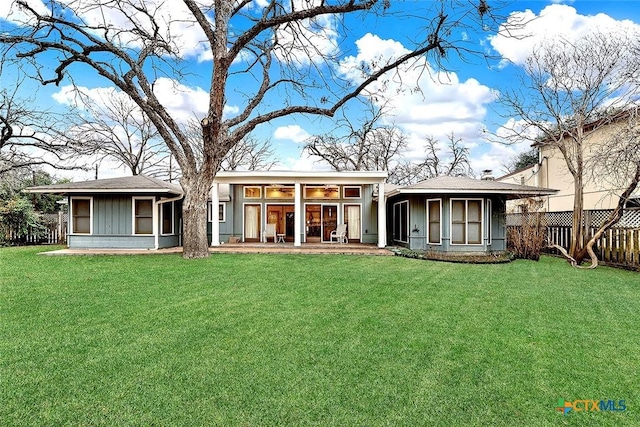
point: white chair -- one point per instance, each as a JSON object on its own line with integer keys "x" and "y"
{"x": 340, "y": 234}
{"x": 269, "y": 231}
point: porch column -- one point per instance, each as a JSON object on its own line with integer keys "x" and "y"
{"x": 298, "y": 214}
{"x": 382, "y": 217}
{"x": 215, "y": 224}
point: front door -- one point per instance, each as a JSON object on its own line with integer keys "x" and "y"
{"x": 329, "y": 221}
{"x": 282, "y": 216}
{"x": 251, "y": 223}
{"x": 352, "y": 219}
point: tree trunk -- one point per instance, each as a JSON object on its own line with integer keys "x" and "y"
{"x": 194, "y": 217}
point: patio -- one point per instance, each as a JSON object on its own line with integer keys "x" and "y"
{"x": 246, "y": 248}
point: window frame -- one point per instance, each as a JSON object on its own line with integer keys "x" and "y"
{"x": 351, "y": 187}
{"x": 466, "y": 220}
{"x": 72, "y": 225}
{"x": 439, "y": 201}
{"x": 325, "y": 188}
{"x": 288, "y": 187}
{"x": 246, "y": 187}
{"x": 134, "y": 230}
{"x": 489, "y": 225}
{"x": 172, "y": 210}
{"x": 397, "y": 237}
{"x": 210, "y": 212}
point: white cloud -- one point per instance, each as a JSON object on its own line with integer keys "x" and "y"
{"x": 291, "y": 132}
{"x": 553, "y": 22}
{"x": 10, "y": 11}
{"x": 419, "y": 100}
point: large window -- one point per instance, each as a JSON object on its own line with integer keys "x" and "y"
{"x": 81, "y": 215}
{"x": 434, "y": 214}
{"x": 321, "y": 192}
{"x": 252, "y": 192}
{"x": 280, "y": 192}
{"x": 466, "y": 221}
{"x": 167, "y": 218}
{"x": 401, "y": 222}
{"x": 142, "y": 216}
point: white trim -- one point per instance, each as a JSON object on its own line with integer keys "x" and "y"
{"x": 346, "y": 204}
{"x": 261, "y": 205}
{"x": 244, "y": 194}
{"x": 466, "y": 221}
{"x": 489, "y": 227}
{"x": 71, "y": 199}
{"x": 382, "y": 216}
{"x": 325, "y": 187}
{"x": 429, "y": 222}
{"x": 393, "y": 224}
{"x": 310, "y": 177}
{"x": 173, "y": 222}
{"x": 210, "y": 211}
{"x": 153, "y": 216}
{"x": 267, "y": 187}
{"x": 299, "y": 216}
{"x": 344, "y": 191}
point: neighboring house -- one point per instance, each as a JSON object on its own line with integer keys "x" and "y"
{"x": 600, "y": 192}
{"x": 444, "y": 214}
{"x": 453, "y": 214}
{"x": 136, "y": 212}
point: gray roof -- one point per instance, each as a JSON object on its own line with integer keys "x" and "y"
{"x": 129, "y": 184}
{"x": 460, "y": 184}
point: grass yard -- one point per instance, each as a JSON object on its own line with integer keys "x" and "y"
{"x": 261, "y": 340}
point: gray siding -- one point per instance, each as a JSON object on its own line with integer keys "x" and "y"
{"x": 418, "y": 227}
{"x": 111, "y": 242}
{"x": 112, "y": 215}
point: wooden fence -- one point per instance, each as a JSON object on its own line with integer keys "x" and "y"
{"x": 54, "y": 232}
{"x": 620, "y": 245}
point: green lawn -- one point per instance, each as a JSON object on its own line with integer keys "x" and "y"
{"x": 257, "y": 340}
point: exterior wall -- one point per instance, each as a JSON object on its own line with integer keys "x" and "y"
{"x": 234, "y": 224}
{"x": 418, "y": 227}
{"x": 112, "y": 225}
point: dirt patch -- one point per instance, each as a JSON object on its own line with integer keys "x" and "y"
{"x": 491, "y": 258}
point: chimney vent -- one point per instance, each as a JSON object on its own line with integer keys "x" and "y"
{"x": 487, "y": 175}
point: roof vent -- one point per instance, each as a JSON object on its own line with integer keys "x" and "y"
{"x": 487, "y": 175}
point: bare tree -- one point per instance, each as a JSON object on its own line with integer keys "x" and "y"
{"x": 452, "y": 161}
{"x": 569, "y": 91}
{"x": 26, "y": 132}
{"x": 132, "y": 44}
{"x": 115, "y": 128}
{"x": 364, "y": 145}
{"x": 250, "y": 154}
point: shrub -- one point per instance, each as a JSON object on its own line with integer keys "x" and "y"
{"x": 527, "y": 240}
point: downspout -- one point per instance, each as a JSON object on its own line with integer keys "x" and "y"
{"x": 156, "y": 232}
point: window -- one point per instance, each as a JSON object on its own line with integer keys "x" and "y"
{"x": 252, "y": 192}
{"x": 434, "y": 214}
{"x": 466, "y": 221}
{"x": 81, "y": 216}
{"x": 279, "y": 192}
{"x": 321, "y": 192}
{"x": 489, "y": 220}
{"x": 401, "y": 221}
{"x": 167, "y": 218}
{"x": 222, "y": 212}
{"x": 142, "y": 216}
{"x": 351, "y": 192}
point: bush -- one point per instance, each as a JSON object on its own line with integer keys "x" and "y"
{"x": 18, "y": 220}
{"x": 527, "y": 240}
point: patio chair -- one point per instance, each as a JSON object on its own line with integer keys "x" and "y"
{"x": 340, "y": 234}
{"x": 269, "y": 231}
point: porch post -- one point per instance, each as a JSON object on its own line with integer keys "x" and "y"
{"x": 382, "y": 217}
{"x": 215, "y": 224}
{"x": 298, "y": 214}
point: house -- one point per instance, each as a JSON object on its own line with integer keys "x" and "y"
{"x": 136, "y": 212}
{"x": 453, "y": 214}
{"x": 443, "y": 214}
{"x": 601, "y": 192}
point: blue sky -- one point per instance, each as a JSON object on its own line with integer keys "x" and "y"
{"x": 464, "y": 105}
